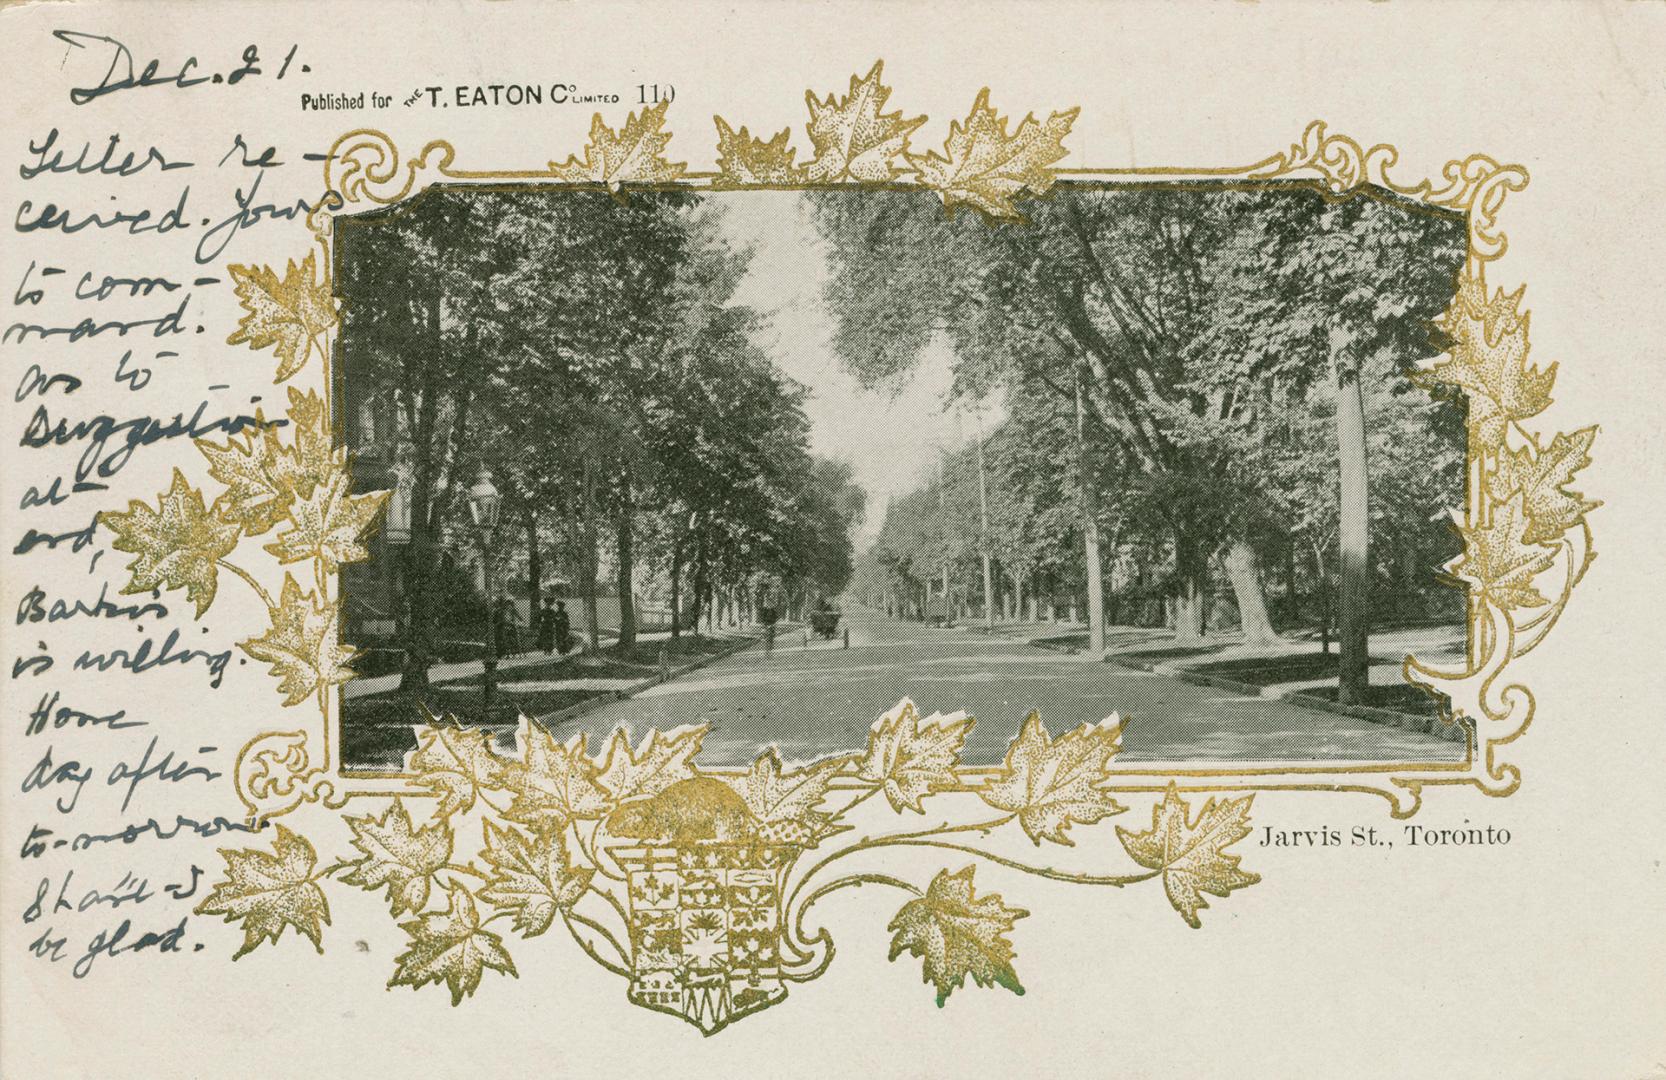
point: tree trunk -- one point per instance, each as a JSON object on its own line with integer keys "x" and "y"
{"x": 1090, "y": 528}
{"x": 1322, "y": 577}
{"x": 1113, "y": 613}
{"x": 699, "y": 584}
{"x": 534, "y": 569}
{"x": 626, "y": 585}
{"x": 1292, "y": 597}
{"x": 1354, "y": 524}
{"x": 423, "y": 552}
{"x": 589, "y": 559}
{"x": 1188, "y": 612}
{"x": 1192, "y": 575}
{"x": 676, "y": 584}
{"x": 1410, "y": 594}
{"x": 1243, "y": 569}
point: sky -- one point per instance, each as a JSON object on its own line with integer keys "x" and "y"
{"x": 891, "y": 441}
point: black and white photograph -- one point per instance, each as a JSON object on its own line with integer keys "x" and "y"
{"x": 773, "y": 460}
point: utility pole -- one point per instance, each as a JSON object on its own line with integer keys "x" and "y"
{"x": 983, "y": 510}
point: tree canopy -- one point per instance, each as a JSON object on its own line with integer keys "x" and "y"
{"x": 590, "y": 353}
{"x": 1199, "y": 331}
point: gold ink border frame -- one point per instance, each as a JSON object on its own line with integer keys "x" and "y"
{"x": 278, "y": 771}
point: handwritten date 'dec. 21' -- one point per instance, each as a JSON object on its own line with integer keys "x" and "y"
{"x": 125, "y": 73}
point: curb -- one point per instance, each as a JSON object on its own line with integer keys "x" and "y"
{"x": 1429, "y": 725}
{"x": 1457, "y": 731}
{"x": 499, "y": 732}
{"x": 608, "y": 697}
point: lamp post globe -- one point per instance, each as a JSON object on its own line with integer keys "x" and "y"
{"x": 484, "y": 500}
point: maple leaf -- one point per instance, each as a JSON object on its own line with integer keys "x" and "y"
{"x": 302, "y": 644}
{"x": 269, "y": 891}
{"x": 1487, "y": 360}
{"x": 312, "y": 458}
{"x": 457, "y": 763}
{"x": 912, "y": 757}
{"x": 1191, "y": 854}
{"x": 450, "y": 947}
{"x": 853, "y": 139}
{"x": 660, "y": 761}
{"x": 255, "y": 497}
{"x": 290, "y": 314}
{"x": 1499, "y": 561}
{"x": 532, "y": 877}
{"x": 177, "y": 544}
{"x": 262, "y": 475}
{"x": 1050, "y": 783}
{"x": 329, "y": 524}
{"x": 1542, "y": 478}
{"x": 742, "y": 159}
{"x": 556, "y": 783}
{"x": 958, "y": 933}
{"x": 632, "y": 154}
{"x": 396, "y": 856}
{"x": 774, "y": 797}
{"x": 983, "y": 166}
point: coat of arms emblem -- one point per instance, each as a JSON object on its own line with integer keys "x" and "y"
{"x": 705, "y": 927}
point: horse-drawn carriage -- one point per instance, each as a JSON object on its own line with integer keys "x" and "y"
{"x": 824, "y": 623}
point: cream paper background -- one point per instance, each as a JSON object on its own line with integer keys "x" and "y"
{"x": 1543, "y": 958}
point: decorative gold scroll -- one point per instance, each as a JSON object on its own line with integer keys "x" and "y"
{"x": 558, "y": 840}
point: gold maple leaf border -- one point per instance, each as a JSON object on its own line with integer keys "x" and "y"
{"x": 1523, "y": 518}
{"x": 302, "y": 486}
{"x": 556, "y": 823}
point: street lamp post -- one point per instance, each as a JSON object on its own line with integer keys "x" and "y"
{"x": 483, "y": 509}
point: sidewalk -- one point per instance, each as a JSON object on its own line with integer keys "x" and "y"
{"x": 1290, "y": 669}
{"x": 1389, "y": 648}
{"x": 377, "y": 719}
{"x": 468, "y": 669}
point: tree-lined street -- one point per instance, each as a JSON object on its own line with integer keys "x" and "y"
{"x": 1193, "y": 410}
{"x": 579, "y": 363}
{"x": 1212, "y": 401}
{"x": 814, "y": 700}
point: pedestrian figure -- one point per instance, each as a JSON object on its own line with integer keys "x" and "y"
{"x": 563, "y": 626}
{"x": 546, "y": 626}
{"x": 767, "y": 617}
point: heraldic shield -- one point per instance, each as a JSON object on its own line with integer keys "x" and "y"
{"x": 705, "y": 919}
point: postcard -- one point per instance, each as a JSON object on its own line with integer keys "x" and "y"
{"x": 866, "y": 540}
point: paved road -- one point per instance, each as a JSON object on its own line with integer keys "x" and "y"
{"x": 822, "y": 699}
